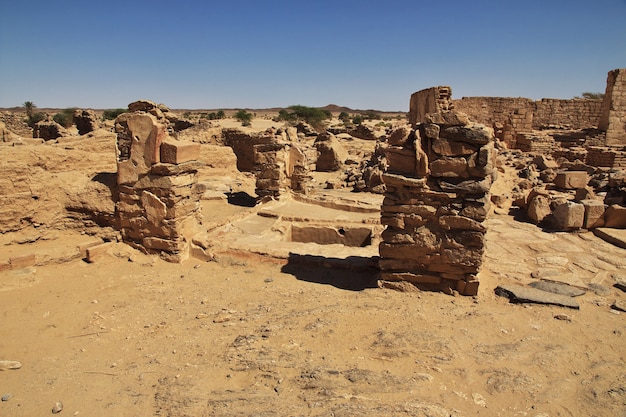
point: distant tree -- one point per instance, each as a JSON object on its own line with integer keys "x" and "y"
{"x": 244, "y": 117}
{"x": 344, "y": 117}
{"x": 221, "y": 114}
{"x": 590, "y": 95}
{"x": 65, "y": 118}
{"x": 112, "y": 114}
{"x": 357, "y": 120}
{"x": 30, "y": 107}
{"x": 32, "y": 117}
{"x": 311, "y": 115}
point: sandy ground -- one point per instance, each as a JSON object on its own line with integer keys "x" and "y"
{"x": 253, "y": 335}
{"x": 240, "y": 336}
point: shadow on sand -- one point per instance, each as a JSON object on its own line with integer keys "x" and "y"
{"x": 353, "y": 273}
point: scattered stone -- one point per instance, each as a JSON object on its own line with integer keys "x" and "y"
{"x": 620, "y": 282}
{"x": 522, "y": 294}
{"x": 479, "y": 400}
{"x": 563, "y": 317}
{"x": 268, "y": 280}
{"x": 7, "y": 397}
{"x": 615, "y": 237}
{"x": 619, "y": 305}
{"x": 5, "y": 365}
{"x": 600, "y": 289}
{"x": 58, "y": 407}
{"x": 557, "y": 288}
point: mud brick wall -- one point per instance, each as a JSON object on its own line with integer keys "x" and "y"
{"x": 613, "y": 119}
{"x": 159, "y": 199}
{"x": 438, "y": 181}
{"x": 571, "y": 154}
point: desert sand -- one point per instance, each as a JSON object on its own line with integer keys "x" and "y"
{"x": 252, "y": 334}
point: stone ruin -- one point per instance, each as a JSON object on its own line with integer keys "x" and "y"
{"x": 159, "y": 197}
{"x": 438, "y": 180}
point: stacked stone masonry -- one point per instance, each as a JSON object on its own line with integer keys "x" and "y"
{"x": 159, "y": 195}
{"x": 613, "y": 119}
{"x": 279, "y": 167}
{"x": 438, "y": 181}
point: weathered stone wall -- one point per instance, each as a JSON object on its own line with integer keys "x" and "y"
{"x": 571, "y": 114}
{"x": 430, "y": 100}
{"x": 280, "y": 167}
{"x": 159, "y": 201}
{"x": 606, "y": 157}
{"x": 525, "y": 114}
{"x": 438, "y": 181}
{"x": 243, "y": 145}
{"x": 613, "y": 119}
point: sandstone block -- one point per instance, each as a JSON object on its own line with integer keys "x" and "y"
{"x": 571, "y": 180}
{"x": 448, "y": 118}
{"x": 476, "y": 134}
{"x": 569, "y": 215}
{"x": 449, "y": 167}
{"x": 431, "y": 131}
{"x": 410, "y": 277}
{"x": 538, "y": 208}
{"x": 179, "y": 152}
{"x": 18, "y": 262}
{"x": 469, "y": 288}
{"x": 399, "y": 136}
{"x": 156, "y": 209}
{"x": 97, "y": 251}
{"x": 156, "y": 243}
{"x": 401, "y": 160}
{"x": 126, "y": 172}
{"x": 615, "y": 217}
{"x": 460, "y": 222}
{"x": 594, "y": 213}
{"x": 447, "y": 147}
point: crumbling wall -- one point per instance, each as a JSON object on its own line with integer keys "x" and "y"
{"x": 525, "y": 114}
{"x": 430, "y": 100}
{"x": 438, "y": 181}
{"x": 613, "y": 118}
{"x": 280, "y": 167}
{"x": 159, "y": 202}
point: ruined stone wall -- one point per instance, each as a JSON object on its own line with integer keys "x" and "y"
{"x": 280, "y": 167}
{"x": 430, "y": 100}
{"x": 438, "y": 181}
{"x": 570, "y": 114}
{"x": 606, "y": 157}
{"x": 613, "y": 119}
{"x": 159, "y": 200}
{"x": 525, "y": 114}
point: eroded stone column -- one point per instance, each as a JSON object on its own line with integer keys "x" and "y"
{"x": 159, "y": 200}
{"x": 438, "y": 181}
{"x": 613, "y": 118}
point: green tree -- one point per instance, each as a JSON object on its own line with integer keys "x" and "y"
{"x": 590, "y": 95}
{"x": 30, "y": 107}
{"x": 112, "y": 114}
{"x": 244, "y": 117}
{"x": 357, "y": 120}
{"x": 344, "y": 117}
{"x": 221, "y": 114}
{"x": 65, "y": 118}
{"x": 311, "y": 115}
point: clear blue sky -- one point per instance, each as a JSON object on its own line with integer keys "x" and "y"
{"x": 254, "y": 54}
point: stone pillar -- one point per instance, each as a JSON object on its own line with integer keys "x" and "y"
{"x": 613, "y": 118}
{"x": 159, "y": 201}
{"x": 279, "y": 167}
{"x": 438, "y": 181}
